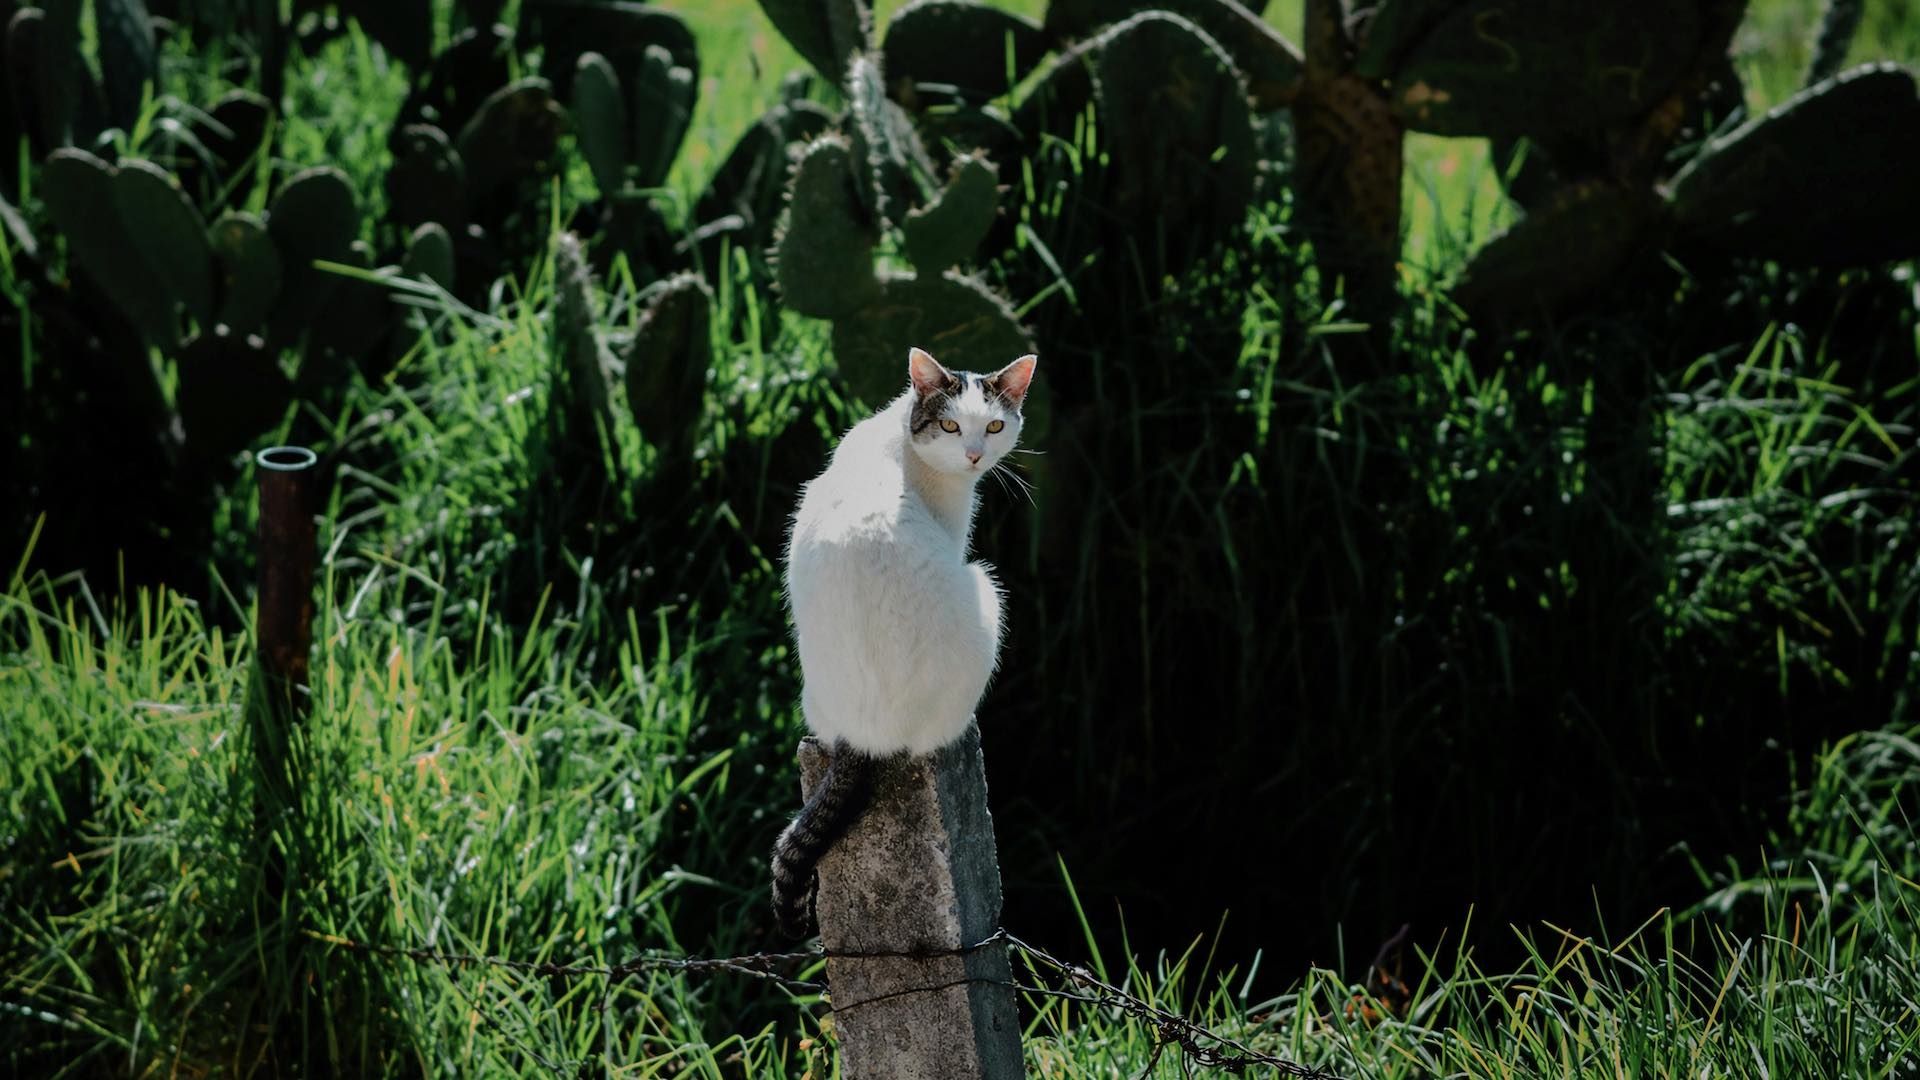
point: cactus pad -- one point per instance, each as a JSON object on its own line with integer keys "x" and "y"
{"x": 1270, "y": 63}
{"x": 428, "y": 181}
{"x": 1394, "y": 27}
{"x": 978, "y": 51}
{"x": 168, "y": 234}
{"x": 1180, "y": 134}
{"x": 79, "y": 191}
{"x": 457, "y": 82}
{"x": 619, "y": 30}
{"x": 23, "y": 82}
{"x": 1825, "y": 178}
{"x": 230, "y": 391}
{"x": 949, "y": 230}
{"x": 1526, "y": 269}
{"x": 248, "y": 272}
{"x": 127, "y": 57}
{"x": 824, "y": 254}
{"x": 313, "y": 218}
{"x": 826, "y": 33}
{"x": 512, "y": 136}
{"x": 600, "y": 122}
{"x": 662, "y": 108}
{"x": 884, "y": 142}
{"x": 358, "y": 316}
{"x": 955, "y": 318}
{"x": 751, "y": 181}
{"x": 1506, "y": 68}
{"x": 576, "y": 338}
{"x": 667, "y": 367}
{"x": 430, "y": 255}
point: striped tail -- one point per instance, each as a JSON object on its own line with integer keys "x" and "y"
{"x": 836, "y": 804}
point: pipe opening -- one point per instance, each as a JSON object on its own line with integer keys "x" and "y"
{"x": 286, "y": 458}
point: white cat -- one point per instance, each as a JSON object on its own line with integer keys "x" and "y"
{"x": 898, "y": 632}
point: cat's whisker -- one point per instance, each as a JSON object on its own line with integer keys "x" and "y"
{"x": 1011, "y": 481}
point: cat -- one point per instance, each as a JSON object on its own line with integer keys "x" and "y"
{"x": 898, "y": 633}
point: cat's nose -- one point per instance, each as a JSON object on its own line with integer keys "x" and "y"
{"x": 973, "y": 457}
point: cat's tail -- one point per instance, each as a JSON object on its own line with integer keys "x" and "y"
{"x": 836, "y": 804}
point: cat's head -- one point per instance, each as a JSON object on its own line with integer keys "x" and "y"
{"x": 963, "y": 422}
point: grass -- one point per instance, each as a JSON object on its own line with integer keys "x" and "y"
{"x": 552, "y": 734}
{"x": 483, "y": 800}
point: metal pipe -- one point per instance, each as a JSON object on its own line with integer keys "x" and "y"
{"x": 283, "y": 623}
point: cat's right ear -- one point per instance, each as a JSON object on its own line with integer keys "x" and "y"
{"x": 926, "y": 374}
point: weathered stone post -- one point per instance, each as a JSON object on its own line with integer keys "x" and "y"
{"x": 918, "y": 874}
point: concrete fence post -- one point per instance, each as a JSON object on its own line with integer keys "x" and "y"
{"x": 913, "y": 883}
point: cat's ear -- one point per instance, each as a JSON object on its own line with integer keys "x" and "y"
{"x": 926, "y": 374}
{"x": 1011, "y": 382}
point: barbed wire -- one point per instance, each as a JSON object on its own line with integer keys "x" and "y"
{"x": 1200, "y": 1045}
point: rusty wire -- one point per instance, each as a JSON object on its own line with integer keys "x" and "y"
{"x": 1200, "y": 1046}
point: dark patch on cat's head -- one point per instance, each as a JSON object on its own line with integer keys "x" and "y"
{"x": 933, "y": 387}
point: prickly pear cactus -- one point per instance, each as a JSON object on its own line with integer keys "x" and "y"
{"x": 667, "y": 367}
{"x": 78, "y": 190}
{"x": 951, "y": 228}
{"x": 247, "y": 272}
{"x": 314, "y": 218}
{"x": 600, "y": 122}
{"x": 167, "y": 234}
{"x": 230, "y": 390}
{"x": 1391, "y": 29}
{"x": 621, "y": 31}
{"x": 513, "y": 136}
{"x": 428, "y": 179}
{"x": 824, "y": 254}
{"x": 743, "y": 201}
{"x": 1800, "y": 183}
{"x": 956, "y": 318}
{"x": 580, "y": 354}
{"x": 1180, "y": 134}
{"x": 457, "y": 82}
{"x": 958, "y": 48}
{"x": 137, "y": 236}
{"x": 1526, "y": 269}
{"x": 128, "y": 57}
{"x": 1837, "y": 27}
{"x": 826, "y": 33}
{"x": 1505, "y": 68}
{"x": 1270, "y": 63}
{"x": 885, "y": 145}
{"x": 430, "y": 255}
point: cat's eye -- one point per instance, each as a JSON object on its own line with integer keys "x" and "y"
{"x": 996, "y": 427}
{"x": 950, "y": 427}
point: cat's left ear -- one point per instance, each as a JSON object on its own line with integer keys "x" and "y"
{"x": 1011, "y": 382}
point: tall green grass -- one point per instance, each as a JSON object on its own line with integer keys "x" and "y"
{"x": 484, "y": 801}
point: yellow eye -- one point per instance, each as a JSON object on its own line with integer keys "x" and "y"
{"x": 996, "y": 427}
{"x": 950, "y": 427}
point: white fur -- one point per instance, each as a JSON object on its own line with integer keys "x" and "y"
{"x": 898, "y": 632}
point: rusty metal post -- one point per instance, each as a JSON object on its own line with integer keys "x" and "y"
{"x": 283, "y": 623}
{"x": 277, "y": 700}
{"x": 909, "y": 906}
